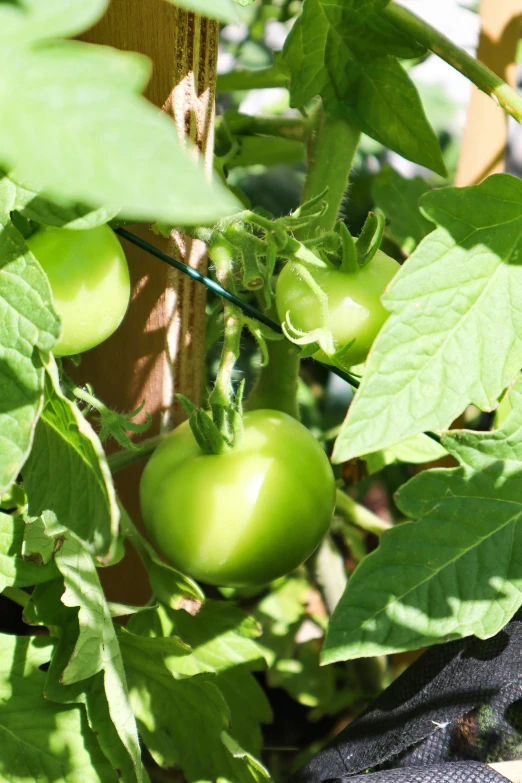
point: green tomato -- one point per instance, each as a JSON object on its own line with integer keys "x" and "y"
{"x": 90, "y": 283}
{"x": 354, "y": 303}
{"x": 244, "y": 517}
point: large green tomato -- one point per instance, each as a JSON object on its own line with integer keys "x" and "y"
{"x": 89, "y": 279}
{"x": 354, "y": 303}
{"x": 244, "y": 517}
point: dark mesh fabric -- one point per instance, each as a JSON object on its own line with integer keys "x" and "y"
{"x": 453, "y": 711}
{"x": 461, "y": 772}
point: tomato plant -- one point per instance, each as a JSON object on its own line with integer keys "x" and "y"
{"x": 89, "y": 279}
{"x": 353, "y": 303}
{"x": 330, "y": 443}
{"x": 244, "y": 517}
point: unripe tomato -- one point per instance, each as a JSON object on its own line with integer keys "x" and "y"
{"x": 354, "y": 303}
{"x": 244, "y": 517}
{"x": 89, "y": 279}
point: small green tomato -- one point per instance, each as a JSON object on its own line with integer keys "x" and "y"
{"x": 90, "y": 283}
{"x": 354, "y": 304}
{"x": 244, "y": 517}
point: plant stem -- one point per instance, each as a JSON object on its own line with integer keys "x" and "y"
{"x": 481, "y": 76}
{"x": 17, "y": 595}
{"x": 222, "y": 396}
{"x": 296, "y": 128}
{"x": 223, "y": 391}
{"x": 277, "y": 383}
{"x": 84, "y": 396}
{"x": 359, "y": 515}
{"x": 248, "y": 79}
{"x": 121, "y": 459}
{"x": 331, "y": 151}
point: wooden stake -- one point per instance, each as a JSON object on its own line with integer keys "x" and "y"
{"x": 158, "y": 350}
{"x": 485, "y": 137}
{"x": 511, "y": 770}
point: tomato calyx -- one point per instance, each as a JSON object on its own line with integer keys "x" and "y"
{"x": 210, "y": 438}
{"x": 323, "y": 334}
{"x": 255, "y": 241}
{"x": 369, "y": 240}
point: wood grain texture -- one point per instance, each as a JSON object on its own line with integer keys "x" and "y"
{"x": 158, "y": 350}
{"x": 485, "y": 137}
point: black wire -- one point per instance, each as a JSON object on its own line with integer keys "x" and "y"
{"x": 246, "y": 307}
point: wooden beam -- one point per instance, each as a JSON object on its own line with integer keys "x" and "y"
{"x": 158, "y": 349}
{"x": 485, "y": 137}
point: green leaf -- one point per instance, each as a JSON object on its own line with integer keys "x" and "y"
{"x": 398, "y": 198}
{"x": 173, "y": 707}
{"x": 283, "y": 607}
{"x": 87, "y": 666}
{"x": 33, "y": 206}
{"x": 455, "y": 333}
{"x": 39, "y": 738}
{"x": 164, "y": 658}
{"x": 294, "y": 661}
{"x": 184, "y": 723}
{"x": 455, "y": 572}
{"x": 67, "y": 473}
{"x": 216, "y": 9}
{"x": 386, "y": 106}
{"x": 416, "y": 450}
{"x": 27, "y": 323}
{"x": 25, "y": 21}
{"x": 303, "y": 678}
{"x": 39, "y": 547}
{"x": 346, "y": 52}
{"x": 221, "y": 640}
{"x": 98, "y": 141}
{"x": 220, "y": 636}
{"x": 17, "y": 568}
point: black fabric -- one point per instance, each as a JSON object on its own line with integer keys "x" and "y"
{"x": 460, "y": 772}
{"x": 456, "y": 709}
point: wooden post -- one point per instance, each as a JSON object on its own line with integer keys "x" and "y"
{"x": 485, "y": 137}
{"x": 158, "y": 350}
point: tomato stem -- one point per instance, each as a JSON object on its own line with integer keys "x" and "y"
{"x": 222, "y": 399}
{"x": 481, "y": 76}
{"x": 122, "y": 459}
{"x": 360, "y": 515}
{"x": 295, "y": 128}
{"x": 277, "y": 383}
{"x": 252, "y": 79}
{"x": 17, "y": 595}
{"x": 331, "y": 151}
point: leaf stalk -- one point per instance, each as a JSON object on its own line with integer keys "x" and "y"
{"x": 480, "y": 75}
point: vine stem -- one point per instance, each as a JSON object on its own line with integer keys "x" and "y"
{"x": 296, "y": 128}
{"x": 360, "y": 515}
{"x": 252, "y": 79}
{"x": 277, "y": 384}
{"x": 481, "y": 76}
{"x": 17, "y": 595}
{"x": 222, "y": 395}
{"x": 222, "y": 392}
{"x": 122, "y": 459}
{"x": 331, "y": 150}
{"x": 84, "y": 396}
